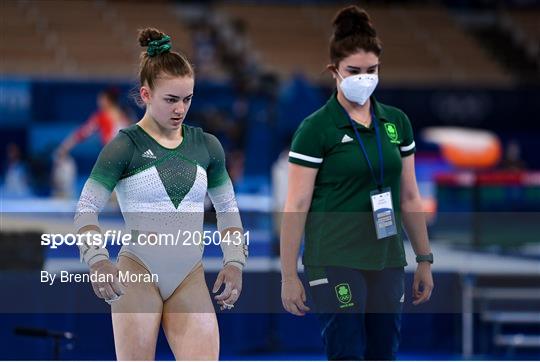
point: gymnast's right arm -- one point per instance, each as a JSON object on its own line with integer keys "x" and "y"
{"x": 110, "y": 166}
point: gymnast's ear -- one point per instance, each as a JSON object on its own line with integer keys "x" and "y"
{"x": 145, "y": 94}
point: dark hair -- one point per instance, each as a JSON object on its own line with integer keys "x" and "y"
{"x": 112, "y": 94}
{"x": 353, "y": 31}
{"x": 166, "y": 62}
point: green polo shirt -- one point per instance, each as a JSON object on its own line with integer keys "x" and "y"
{"x": 340, "y": 229}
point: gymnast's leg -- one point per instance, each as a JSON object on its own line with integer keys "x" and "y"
{"x": 189, "y": 320}
{"x": 136, "y": 316}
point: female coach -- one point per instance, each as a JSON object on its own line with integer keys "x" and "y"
{"x": 352, "y": 168}
{"x": 162, "y": 170}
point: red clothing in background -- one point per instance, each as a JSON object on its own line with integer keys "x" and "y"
{"x": 102, "y": 122}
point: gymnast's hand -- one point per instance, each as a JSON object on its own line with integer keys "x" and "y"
{"x": 232, "y": 277}
{"x": 110, "y": 288}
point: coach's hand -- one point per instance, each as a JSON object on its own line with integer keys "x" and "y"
{"x": 232, "y": 277}
{"x": 293, "y": 296}
{"x": 423, "y": 283}
{"x": 110, "y": 291}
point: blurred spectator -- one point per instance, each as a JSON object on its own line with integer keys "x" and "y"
{"x": 280, "y": 172}
{"x": 280, "y": 175}
{"x": 16, "y": 176}
{"x": 107, "y": 120}
{"x": 235, "y": 51}
{"x": 512, "y": 157}
{"x": 231, "y": 133}
{"x": 204, "y": 50}
{"x": 64, "y": 176}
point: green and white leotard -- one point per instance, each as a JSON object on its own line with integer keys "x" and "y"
{"x": 162, "y": 191}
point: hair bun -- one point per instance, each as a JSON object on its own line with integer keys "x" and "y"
{"x": 352, "y": 21}
{"x": 156, "y": 41}
{"x": 149, "y": 34}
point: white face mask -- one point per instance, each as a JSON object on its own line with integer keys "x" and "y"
{"x": 358, "y": 88}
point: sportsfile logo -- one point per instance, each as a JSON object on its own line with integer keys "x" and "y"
{"x": 120, "y": 238}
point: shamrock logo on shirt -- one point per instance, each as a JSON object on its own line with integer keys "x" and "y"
{"x": 391, "y": 131}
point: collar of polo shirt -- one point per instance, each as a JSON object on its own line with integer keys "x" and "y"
{"x": 340, "y": 118}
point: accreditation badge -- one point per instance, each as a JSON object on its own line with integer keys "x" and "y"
{"x": 383, "y": 213}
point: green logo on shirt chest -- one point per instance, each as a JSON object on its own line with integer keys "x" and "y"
{"x": 392, "y": 133}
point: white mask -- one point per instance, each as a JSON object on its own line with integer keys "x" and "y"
{"x": 359, "y": 87}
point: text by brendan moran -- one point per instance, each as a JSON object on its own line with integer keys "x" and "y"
{"x": 64, "y": 276}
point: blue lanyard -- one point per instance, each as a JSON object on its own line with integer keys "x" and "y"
{"x": 379, "y": 148}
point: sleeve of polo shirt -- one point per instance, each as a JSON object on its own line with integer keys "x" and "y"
{"x": 407, "y": 146}
{"x": 306, "y": 149}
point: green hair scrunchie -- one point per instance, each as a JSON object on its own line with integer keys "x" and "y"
{"x": 159, "y": 46}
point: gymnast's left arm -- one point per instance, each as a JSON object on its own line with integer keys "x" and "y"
{"x": 233, "y": 243}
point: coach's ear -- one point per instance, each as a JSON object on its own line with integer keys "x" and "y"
{"x": 145, "y": 94}
{"x": 332, "y": 68}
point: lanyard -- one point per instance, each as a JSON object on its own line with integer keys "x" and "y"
{"x": 379, "y": 148}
